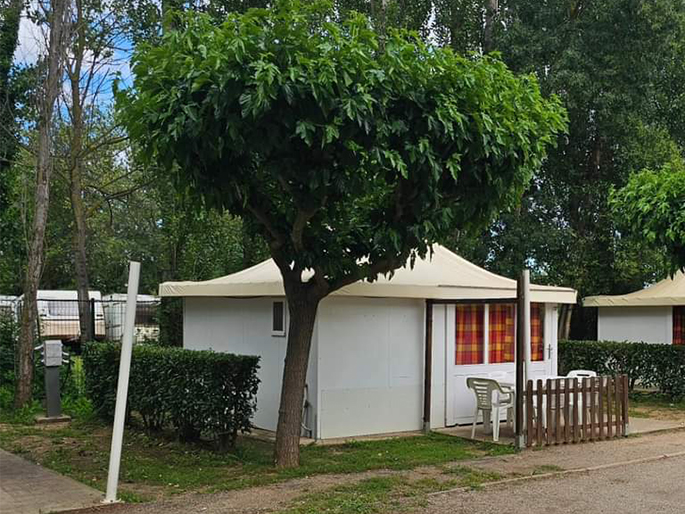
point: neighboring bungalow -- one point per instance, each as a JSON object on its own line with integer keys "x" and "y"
{"x": 366, "y": 372}
{"x": 655, "y": 314}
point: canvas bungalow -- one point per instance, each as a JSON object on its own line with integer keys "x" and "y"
{"x": 368, "y": 363}
{"x": 655, "y": 314}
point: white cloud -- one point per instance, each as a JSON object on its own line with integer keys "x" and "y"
{"x": 32, "y": 42}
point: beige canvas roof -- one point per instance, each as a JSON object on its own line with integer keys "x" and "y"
{"x": 444, "y": 276}
{"x": 670, "y": 291}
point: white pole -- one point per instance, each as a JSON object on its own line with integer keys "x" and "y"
{"x": 122, "y": 384}
{"x": 526, "y": 324}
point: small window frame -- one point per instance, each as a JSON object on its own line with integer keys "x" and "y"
{"x": 284, "y": 318}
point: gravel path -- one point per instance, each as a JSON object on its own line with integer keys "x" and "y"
{"x": 646, "y": 487}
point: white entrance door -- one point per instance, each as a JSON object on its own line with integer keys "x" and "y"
{"x": 460, "y": 400}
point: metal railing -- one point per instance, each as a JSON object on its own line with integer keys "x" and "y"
{"x": 60, "y": 319}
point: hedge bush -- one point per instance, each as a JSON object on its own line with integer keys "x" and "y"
{"x": 661, "y": 366}
{"x": 195, "y": 392}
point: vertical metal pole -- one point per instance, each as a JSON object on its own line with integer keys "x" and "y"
{"x": 122, "y": 384}
{"x": 428, "y": 368}
{"x": 522, "y": 336}
{"x": 53, "y": 405}
{"x": 525, "y": 275}
{"x": 92, "y": 319}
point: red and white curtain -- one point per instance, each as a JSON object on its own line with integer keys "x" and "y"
{"x": 470, "y": 331}
{"x": 537, "y": 332}
{"x": 502, "y": 332}
{"x": 679, "y": 325}
{"x": 469, "y": 334}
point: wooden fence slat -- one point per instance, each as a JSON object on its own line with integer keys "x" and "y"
{"x": 538, "y": 413}
{"x": 583, "y": 411}
{"x": 576, "y": 417}
{"x": 593, "y": 408}
{"x": 567, "y": 410}
{"x": 625, "y": 405}
{"x": 600, "y": 407}
{"x": 529, "y": 413}
{"x": 619, "y": 404}
{"x": 610, "y": 425}
{"x": 557, "y": 411}
{"x": 548, "y": 411}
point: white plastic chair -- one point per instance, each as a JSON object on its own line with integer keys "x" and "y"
{"x": 490, "y": 398}
{"x": 581, "y": 373}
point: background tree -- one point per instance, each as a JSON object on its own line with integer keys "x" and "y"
{"x": 348, "y": 157}
{"x": 617, "y": 66}
{"x": 651, "y": 206}
{"x": 51, "y": 88}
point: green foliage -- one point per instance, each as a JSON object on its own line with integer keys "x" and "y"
{"x": 194, "y": 391}
{"x": 652, "y": 365}
{"x": 9, "y": 333}
{"x": 616, "y": 65}
{"x": 333, "y": 147}
{"x": 652, "y": 207}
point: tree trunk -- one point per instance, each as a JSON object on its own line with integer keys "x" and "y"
{"x": 491, "y": 9}
{"x": 302, "y": 308}
{"x": 75, "y": 180}
{"x": 41, "y": 201}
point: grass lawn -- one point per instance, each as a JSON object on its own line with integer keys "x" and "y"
{"x": 652, "y": 405}
{"x": 158, "y": 466}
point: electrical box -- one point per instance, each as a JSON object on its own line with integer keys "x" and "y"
{"x": 52, "y": 353}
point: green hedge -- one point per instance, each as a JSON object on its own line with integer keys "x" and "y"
{"x": 195, "y": 392}
{"x": 661, "y": 366}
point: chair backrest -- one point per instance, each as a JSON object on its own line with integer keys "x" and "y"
{"x": 483, "y": 389}
{"x": 581, "y": 373}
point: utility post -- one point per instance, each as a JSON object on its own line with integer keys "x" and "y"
{"x": 53, "y": 357}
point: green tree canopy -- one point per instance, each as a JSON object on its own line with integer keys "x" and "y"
{"x": 651, "y": 206}
{"x": 348, "y": 156}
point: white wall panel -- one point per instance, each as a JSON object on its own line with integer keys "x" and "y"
{"x": 648, "y": 324}
{"x": 371, "y": 358}
{"x": 241, "y": 326}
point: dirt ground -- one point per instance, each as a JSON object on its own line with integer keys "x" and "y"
{"x": 545, "y": 462}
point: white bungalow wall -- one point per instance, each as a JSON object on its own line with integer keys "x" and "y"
{"x": 243, "y": 326}
{"x": 459, "y": 400}
{"x": 647, "y": 324}
{"x": 370, "y": 366}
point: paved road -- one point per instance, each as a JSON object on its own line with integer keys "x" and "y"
{"x": 648, "y": 487}
{"x": 26, "y": 488}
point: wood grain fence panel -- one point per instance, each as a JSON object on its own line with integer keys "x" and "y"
{"x": 538, "y": 413}
{"x": 600, "y": 408}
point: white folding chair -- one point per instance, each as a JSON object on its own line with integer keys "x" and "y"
{"x": 490, "y": 398}
{"x": 581, "y": 373}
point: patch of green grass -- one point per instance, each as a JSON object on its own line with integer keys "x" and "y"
{"x": 654, "y": 405}
{"x": 473, "y": 477}
{"x": 547, "y": 468}
{"x": 377, "y": 495}
{"x": 161, "y": 466}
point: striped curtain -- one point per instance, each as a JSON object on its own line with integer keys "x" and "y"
{"x": 537, "y": 335}
{"x": 502, "y": 333}
{"x": 679, "y": 325}
{"x": 469, "y": 334}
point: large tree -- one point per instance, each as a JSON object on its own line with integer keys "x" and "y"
{"x": 651, "y": 206}
{"x": 55, "y": 15}
{"x": 618, "y": 67}
{"x": 348, "y": 157}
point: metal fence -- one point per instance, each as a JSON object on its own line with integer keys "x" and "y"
{"x": 59, "y": 319}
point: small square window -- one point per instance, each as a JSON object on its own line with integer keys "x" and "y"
{"x": 278, "y": 319}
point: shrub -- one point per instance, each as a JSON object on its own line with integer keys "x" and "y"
{"x": 196, "y": 392}
{"x": 653, "y": 365}
{"x": 8, "y": 342}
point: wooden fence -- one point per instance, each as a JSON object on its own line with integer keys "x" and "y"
{"x": 574, "y": 410}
